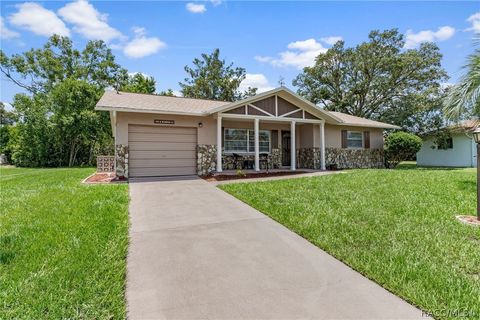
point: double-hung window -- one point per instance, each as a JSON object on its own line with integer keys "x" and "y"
{"x": 243, "y": 140}
{"x": 354, "y": 139}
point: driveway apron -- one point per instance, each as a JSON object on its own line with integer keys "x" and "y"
{"x": 198, "y": 253}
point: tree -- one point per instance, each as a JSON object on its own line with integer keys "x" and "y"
{"x": 7, "y": 119}
{"x": 212, "y": 78}
{"x": 138, "y": 83}
{"x": 168, "y": 93}
{"x": 401, "y": 146}
{"x": 38, "y": 70}
{"x": 464, "y": 97}
{"x": 57, "y": 124}
{"x": 376, "y": 79}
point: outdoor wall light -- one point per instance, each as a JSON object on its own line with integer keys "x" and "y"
{"x": 200, "y": 125}
{"x": 476, "y": 135}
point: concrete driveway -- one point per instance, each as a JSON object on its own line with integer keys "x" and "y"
{"x": 198, "y": 253}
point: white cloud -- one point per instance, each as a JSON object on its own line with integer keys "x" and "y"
{"x": 414, "y": 39}
{"x": 35, "y": 18}
{"x": 195, "y": 7}
{"x": 6, "y": 33}
{"x": 88, "y": 21}
{"x": 255, "y": 80}
{"x": 300, "y": 54}
{"x": 331, "y": 40}
{"x": 142, "y": 46}
{"x": 474, "y": 19}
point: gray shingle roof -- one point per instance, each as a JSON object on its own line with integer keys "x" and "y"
{"x": 126, "y": 101}
{"x": 361, "y": 122}
{"x": 138, "y": 102}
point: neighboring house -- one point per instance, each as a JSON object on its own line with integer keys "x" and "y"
{"x": 458, "y": 149}
{"x": 163, "y": 136}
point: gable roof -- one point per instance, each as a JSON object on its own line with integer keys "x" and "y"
{"x": 349, "y": 120}
{"x": 151, "y": 103}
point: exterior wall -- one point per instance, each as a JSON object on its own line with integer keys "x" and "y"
{"x": 205, "y": 135}
{"x": 307, "y": 142}
{"x": 333, "y": 136}
{"x": 463, "y": 153}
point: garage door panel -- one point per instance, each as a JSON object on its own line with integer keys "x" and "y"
{"x": 168, "y": 137}
{"x": 161, "y": 163}
{"x": 161, "y": 130}
{"x": 164, "y": 146}
{"x": 152, "y": 172}
{"x": 162, "y": 155}
{"x": 161, "y": 151}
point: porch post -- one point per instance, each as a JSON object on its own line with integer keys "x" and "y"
{"x": 219, "y": 144}
{"x": 322, "y": 145}
{"x": 293, "y": 149}
{"x": 257, "y": 145}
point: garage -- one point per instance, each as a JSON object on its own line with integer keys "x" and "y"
{"x": 161, "y": 151}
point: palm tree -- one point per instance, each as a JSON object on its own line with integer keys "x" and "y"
{"x": 464, "y": 97}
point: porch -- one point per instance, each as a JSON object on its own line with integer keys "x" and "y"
{"x": 251, "y": 143}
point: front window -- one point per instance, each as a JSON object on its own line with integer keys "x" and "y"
{"x": 243, "y": 140}
{"x": 354, "y": 139}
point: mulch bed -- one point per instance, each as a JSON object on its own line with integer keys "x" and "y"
{"x": 103, "y": 177}
{"x": 224, "y": 177}
{"x": 470, "y": 220}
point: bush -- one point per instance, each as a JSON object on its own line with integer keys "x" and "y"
{"x": 401, "y": 146}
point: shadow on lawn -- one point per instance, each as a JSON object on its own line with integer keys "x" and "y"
{"x": 411, "y": 165}
{"x": 467, "y": 185}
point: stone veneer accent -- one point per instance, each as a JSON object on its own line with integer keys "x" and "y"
{"x": 206, "y": 159}
{"x": 121, "y": 161}
{"x": 308, "y": 158}
{"x": 354, "y": 158}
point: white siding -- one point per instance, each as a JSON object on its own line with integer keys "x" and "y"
{"x": 462, "y": 155}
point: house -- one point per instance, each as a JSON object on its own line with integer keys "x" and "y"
{"x": 458, "y": 149}
{"x": 163, "y": 136}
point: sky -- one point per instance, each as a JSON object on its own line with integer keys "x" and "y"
{"x": 272, "y": 40}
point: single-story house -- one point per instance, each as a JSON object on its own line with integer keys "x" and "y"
{"x": 458, "y": 149}
{"x": 162, "y": 136}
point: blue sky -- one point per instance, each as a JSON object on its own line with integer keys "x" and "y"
{"x": 269, "y": 39}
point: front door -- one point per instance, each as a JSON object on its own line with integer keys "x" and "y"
{"x": 286, "y": 148}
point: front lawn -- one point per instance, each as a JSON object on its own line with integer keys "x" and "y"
{"x": 62, "y": 245}
{"x": 397, "y": 227}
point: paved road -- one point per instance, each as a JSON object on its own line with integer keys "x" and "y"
{"x": 197, "y": 253}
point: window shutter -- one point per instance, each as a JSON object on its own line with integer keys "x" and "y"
{"x": 366, "y": 139}
{"x": 344, "y": 139}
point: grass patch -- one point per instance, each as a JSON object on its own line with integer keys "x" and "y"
{"x": 397, "y": 227}
{"x": 62, "y": 245}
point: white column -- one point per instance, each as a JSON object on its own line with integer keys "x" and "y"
{"x": 293, "y": 148}
{"x": 219, "y": 144}
{"x": 322, "y": 146}
{"x": 257, "y": 145}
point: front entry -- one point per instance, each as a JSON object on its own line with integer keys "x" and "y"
{"x": 286, "y": 142}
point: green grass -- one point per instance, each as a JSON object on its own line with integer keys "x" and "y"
{"x": 62, "y": 245}
{"x": 397, "y": 227}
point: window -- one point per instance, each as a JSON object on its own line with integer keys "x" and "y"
{"x": 243, "y": 140}
{"x": 446, "y": 143}
{"x": 354, "y": 139}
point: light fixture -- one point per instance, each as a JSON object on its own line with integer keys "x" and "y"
{"x": 200, "y": 125}
{"x": 476, "y": 135}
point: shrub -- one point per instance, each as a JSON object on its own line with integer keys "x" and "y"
{"x": 401, "y": 146}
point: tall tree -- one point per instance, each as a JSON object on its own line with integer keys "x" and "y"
{"x": 212, "y": 78}
{"x": 138, "y": 83}
{"x": 38, "y": 70}
{"x": 57, "y": 124}
{"x": 464, "y": 97}
{"x": 376, "y": 79}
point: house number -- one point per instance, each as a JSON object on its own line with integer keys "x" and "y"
{"x": 158, "y": 121}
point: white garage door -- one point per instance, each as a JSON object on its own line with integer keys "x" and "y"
{"x": 161, "y": 151}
